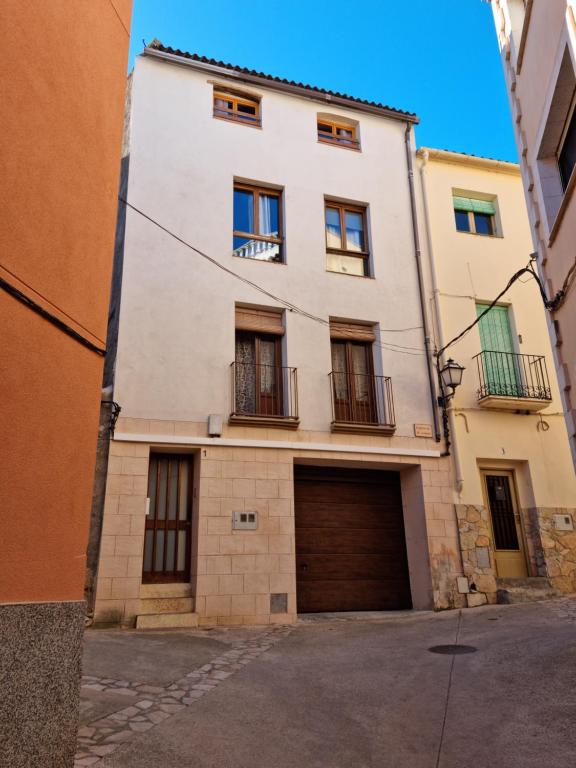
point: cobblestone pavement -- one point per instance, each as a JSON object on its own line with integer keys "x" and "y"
{"x": 564, "y": 608}
{"x": 149, "y": 705}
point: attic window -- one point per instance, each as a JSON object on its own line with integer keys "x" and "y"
{"x": 338, "y": 132}
{"x": 240, "y": 108}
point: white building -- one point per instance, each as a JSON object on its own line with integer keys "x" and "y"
{"x": 265, "y": 398}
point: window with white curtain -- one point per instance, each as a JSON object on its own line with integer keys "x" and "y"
{"x": 257, "y": 223}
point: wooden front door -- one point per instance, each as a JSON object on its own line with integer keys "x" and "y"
{"x": 258, "y": 378}
{"x": 167, "y": 543}
{"x": 350, "y": 544}
{"x": 353, "y": 382}
{"x": 507, "y": 533}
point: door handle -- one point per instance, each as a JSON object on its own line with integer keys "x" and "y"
{"x": 304, "y": 567}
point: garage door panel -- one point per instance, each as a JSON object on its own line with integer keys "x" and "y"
{"x": 333, "y": 566}
{"x": 347, "y": 493}
{"x": 349, "y": 541}
{"x": 356, "y": 514}
{"x": 359, "y": 595}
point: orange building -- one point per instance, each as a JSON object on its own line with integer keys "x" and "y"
{"x": 64, "y": 78}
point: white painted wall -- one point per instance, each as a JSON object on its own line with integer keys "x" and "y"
{"x": 176, "y": 339}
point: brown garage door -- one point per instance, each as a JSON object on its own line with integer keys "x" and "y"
{"x": 350, "y": 545}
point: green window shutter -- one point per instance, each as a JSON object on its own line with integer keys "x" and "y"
{"x": 476, "y": 206}
{"x": 462, "y": 204}
{"x": 495, "y": 331}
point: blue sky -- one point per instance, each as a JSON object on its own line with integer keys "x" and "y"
{"x": 438, "y": 58}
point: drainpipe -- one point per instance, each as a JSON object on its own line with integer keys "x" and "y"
{"x": 437, "y": 314}
{"x": 417, "y": 254}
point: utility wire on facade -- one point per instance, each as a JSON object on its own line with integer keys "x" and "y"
{"x": 388, "y": 346}
{"x": 31, "y": 304}
{"x": 551, "y": 304}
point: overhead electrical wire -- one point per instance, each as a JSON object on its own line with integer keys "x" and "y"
{"x": 551, "y": 304}
{"x": 31, "y": 304}
{"x": 388, "y": 346}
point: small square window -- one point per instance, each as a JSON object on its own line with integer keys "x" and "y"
{"x": 240, "y": 108}
{"x": 474, "y": 215}
{"x": 339, "y": 133}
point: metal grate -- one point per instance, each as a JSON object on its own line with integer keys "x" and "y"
{"x": 509, "y": 374}
{"x": 502, "y": 511}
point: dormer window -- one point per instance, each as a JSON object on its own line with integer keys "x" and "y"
{"x": 240, "y": 108}
{"x": 338, "y": 132}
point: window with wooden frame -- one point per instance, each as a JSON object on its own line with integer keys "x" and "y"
{"x": 341, "y": 134}
{"x": 353, "y": 382}
{"x": 257, "y": 223}
{"x": 346, "y": 239}
{"x": 240, "y": 108}
{"x": 258, "y": 384}
{"x": 475, "y": 216}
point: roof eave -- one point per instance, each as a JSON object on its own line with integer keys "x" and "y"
{"x": 459, "y": 158}
{"x": 261, "y": 82}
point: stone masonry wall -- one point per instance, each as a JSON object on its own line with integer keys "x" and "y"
{"x": 552, "y": 552}
{"x": 477, "y": 553}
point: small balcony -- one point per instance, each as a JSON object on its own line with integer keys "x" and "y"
{"x": 264, "y": 396}
{"x": 513, "y": 382}
{"x": 362, "y": 403}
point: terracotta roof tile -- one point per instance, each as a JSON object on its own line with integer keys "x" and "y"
{"x": 157, "y": 46}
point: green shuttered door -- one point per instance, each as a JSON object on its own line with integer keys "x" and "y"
{"x": 500, "y": 369}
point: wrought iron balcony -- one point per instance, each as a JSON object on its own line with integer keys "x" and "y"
{"x": 264, "y": 395}
{"x": 362, "y": 403}
{"x": 511, "y": 381}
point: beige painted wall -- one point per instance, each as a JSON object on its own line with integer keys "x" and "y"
{"x": 472, "y": 268}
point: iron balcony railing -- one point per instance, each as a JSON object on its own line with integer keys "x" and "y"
{"x": 509, "y": 374}
{"x": 264, "y": 390}
{"x": 360, "y": 398}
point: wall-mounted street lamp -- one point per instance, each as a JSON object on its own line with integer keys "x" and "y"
{"x": 450, "y": 377}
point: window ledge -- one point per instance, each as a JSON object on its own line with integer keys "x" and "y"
{"x": 503, "y": 403}
{"x": 260, "y": 261}
{"x": 523, "y": 36}
{"x": 278, "y": 422}
{"x": 477, "y": 234}
{"x": 362, "y": 429}
{"x": 562, "y": 210}
{"x": 238, "y": 122}
{"x": 340, "y": 146}
{"x": 349, "y": 274}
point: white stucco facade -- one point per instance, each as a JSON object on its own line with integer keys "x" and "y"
{"x": 176, "y": 341}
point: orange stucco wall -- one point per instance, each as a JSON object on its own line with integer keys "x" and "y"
{"x": 64, "y": 78}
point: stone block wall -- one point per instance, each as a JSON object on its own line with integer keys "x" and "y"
{"x": 246, "y": 577}
{"x": 249, "y": 577}
{"x": 552, "y": 552}
{"x": 477, "y": 550}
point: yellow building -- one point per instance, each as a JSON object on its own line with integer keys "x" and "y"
{"x": 514, "y": 483}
